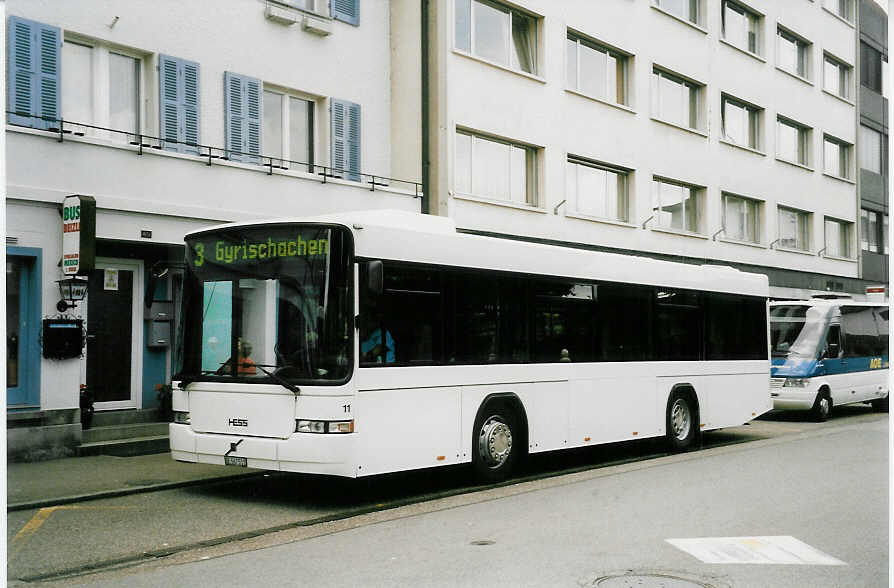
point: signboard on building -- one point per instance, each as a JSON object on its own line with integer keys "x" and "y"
{"x": 78, "y": 235}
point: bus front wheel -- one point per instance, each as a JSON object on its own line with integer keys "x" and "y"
{"x": 495, "y": 447}
{"x": 822, "y": 407}
{"x": 681, "y": 427}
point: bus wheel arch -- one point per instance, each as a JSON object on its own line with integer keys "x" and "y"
{"x": 822, "y": 406}
{"x": 682, "y": 417}
{"x": 499, "y": 436}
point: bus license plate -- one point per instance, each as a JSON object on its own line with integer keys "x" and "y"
{"x": 236, "y": 461}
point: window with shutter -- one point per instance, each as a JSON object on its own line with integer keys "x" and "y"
{"x": 179, "y": 99}
{"x": 345, "y": 123}
{"x": 346, "y": 11}
{"x": 34, "y": 55}
{"x": 242, "y": 105}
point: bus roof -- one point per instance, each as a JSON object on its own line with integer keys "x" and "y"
{"x": 427, "y": 239}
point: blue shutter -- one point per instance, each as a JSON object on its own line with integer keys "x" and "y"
{"x": 178, "y": 86}
{"x": 345, "y": 123}
{"x": 242, "y": 117}
{"x": 34, "y": 56}
{"x": 346, "y": 11}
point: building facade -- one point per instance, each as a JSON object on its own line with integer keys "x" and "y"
{"x": 872, "y": 140}
{"x": 173, "y": 119}
{"x": 709, "y": 132}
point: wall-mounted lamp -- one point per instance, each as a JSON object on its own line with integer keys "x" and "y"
{"x": 775, "y": 242}
{"x": 714, "y": 236}
{"x": 556, "y": 207}
{"x": 72, "y": 290}
{"x": 820, "y": 252}
{"x": 645, "y": 222}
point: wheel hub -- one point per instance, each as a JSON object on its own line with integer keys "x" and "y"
{"x": 495, "y": 442}
{"x": 680, "y": 419}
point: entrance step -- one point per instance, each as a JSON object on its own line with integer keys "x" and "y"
{"x": 125, "y": 433}
{"x": 127, "y": 447}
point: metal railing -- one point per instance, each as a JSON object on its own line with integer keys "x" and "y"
{"x": 209, "y": 153}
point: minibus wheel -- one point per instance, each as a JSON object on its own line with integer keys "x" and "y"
{"x": 496, "y": 444}
{"x": 880, "y": 404}
{"x": 681, "y": 421}
{"x": 822, "y": 407}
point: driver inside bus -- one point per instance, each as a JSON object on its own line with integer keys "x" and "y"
{"x": 246, "y": 365}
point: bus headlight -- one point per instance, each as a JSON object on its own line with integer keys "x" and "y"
{"x": 302, "y": 426}
{"x": 796, "y": 382}
{"x": 181, "y": 418}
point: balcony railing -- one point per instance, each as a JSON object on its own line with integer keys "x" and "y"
{"x": 207, "y": 154}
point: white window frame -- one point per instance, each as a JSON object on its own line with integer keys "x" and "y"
{"x": 100, "y": 61}
{"x": 623, "y": 58}
{"x": 848, "y": 77}
{"x": 804, "y": 155}
{"x": 622, "y": 197}
{"x": 755, "y": 122}
{"x": 845, "y": 158}
{"x": 695, "y": 99}
{"x": 754, "y": 210}
{"x": 285, "y": 116}
{"x": 845, "y": 243}
{"x": 752, "y": 18}
{"x": 532, "y": 159}
{"x": 509, "y": 10}
{"x": 834, "y": 6}
{"x": 696, "y": 197}
{"x": 801, "y": 44}
{"x": 804, "y": 222}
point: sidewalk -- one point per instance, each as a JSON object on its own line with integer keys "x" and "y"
{"x": 63, "y": 481}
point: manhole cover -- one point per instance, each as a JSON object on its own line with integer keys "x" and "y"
{"x": 146, "y": 482}
{"x": 649, "y": 580}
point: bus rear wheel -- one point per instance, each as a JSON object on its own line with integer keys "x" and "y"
{"x": 681, "y": 427}
{"x": 822, "y": 407}
{"x": 495, "y": 447}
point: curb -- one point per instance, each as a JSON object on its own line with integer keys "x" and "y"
{"x": 47, "y": 502}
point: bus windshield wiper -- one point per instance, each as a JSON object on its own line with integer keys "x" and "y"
{"x": 285, "y": 384}
{"x": 188, "y": 379}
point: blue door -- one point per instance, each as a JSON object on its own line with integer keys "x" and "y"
{"x": 22, "y": 327}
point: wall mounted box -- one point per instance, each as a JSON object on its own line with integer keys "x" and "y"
{"x": 317, "y": 25}
{"x": 62, "y": 338}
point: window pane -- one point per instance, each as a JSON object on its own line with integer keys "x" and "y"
{"x": 873, "y": 232}
{"x": 792, "y": 229}
{"x": 524, "y": 42}
{"x": 735, "y": 26}
{"x": 831, "y": 158}
{"x": 735, "y": 123}
{"x": 787, "y": 141}
{"x": 571, "y": 48}
{"x": 672, "y": 200}
{"x": 13, "y": 321}
{"x": 491, "y": 33}
{"x": 864, "y": 230}
{"x": 300, "y": 131}
{"x": 272, "y": 124}
{"x": 463, "y": 10}
{"x": 673, "y": 101}
{"x": 491, "y": 171}
{"x": 592, "y": 191}
{"x": 593, "y": 74}
{"x": 124, "y": 87}
{"x": 77, "y": 83}
{"x": 833, "y": 239}
{"x": 518, "y": 174}
{"x": 787, "y": 51}
{"x": 870, "y": 149}
{"x": 682, "y": 8}
{"x": 463, "y": 163}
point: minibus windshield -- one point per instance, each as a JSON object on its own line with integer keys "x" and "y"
{"x": 797, "y": 330}
{"x": 274, "y": 297}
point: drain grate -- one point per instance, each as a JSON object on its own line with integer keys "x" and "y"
{"x": 632, "y": 579}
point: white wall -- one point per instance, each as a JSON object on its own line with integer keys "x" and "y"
{"x": 537, "y": 110}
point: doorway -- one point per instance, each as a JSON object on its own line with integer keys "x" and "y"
{"x": 112, "y": 368}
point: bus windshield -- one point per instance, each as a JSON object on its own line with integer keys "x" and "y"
{"x": 275, "y": 297}
{"x": 797, "y": 330}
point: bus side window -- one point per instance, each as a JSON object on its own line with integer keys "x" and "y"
{"x": 833, "y": 342}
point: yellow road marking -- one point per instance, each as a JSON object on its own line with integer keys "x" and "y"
{"x": 32, "y": 526}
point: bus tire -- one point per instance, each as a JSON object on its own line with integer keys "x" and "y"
{"x": 822, "y": 407}
{"x": 496, "y": 442}
{"x": 681, "y": 420}
{"x": 880, "y": 404}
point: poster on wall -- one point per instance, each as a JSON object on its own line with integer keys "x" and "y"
{"x": 78, "y": 235}
{"x": 110, "y": 279}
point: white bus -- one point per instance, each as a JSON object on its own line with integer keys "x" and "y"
{"x": 376, "y": 342}
{"x": 828, "y": 353}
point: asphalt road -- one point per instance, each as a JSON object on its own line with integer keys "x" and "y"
{"x": 637, "y": 491}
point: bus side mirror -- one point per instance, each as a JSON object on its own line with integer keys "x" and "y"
{"x": 375, "y": 277}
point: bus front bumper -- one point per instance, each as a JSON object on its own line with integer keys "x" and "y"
{"x": 308, "y": 453}
{"x": 793, "y": 398}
